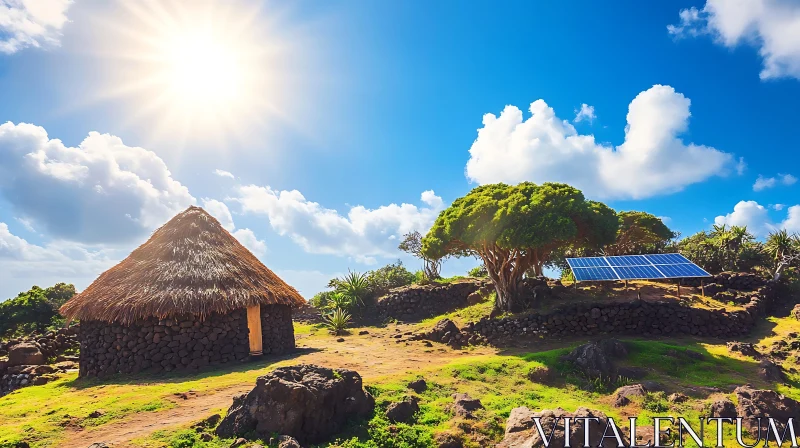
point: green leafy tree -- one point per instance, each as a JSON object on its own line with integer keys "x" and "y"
{"x": 412, "y": 244}
{"x": 516, "y": 228}
{"x": 33, "y": 310}
{"x": 639, "y": 233}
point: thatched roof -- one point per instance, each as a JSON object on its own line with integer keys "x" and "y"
{"x": 190, "y": 265}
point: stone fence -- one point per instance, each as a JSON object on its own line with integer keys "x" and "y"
{"x": 416, "y": 302}
{"x": 639, "y": 317}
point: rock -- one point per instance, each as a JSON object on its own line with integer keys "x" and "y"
{"x": 339, "y": 339}
{"x": 592, "y": 360}
{"x": 521, "y": 431}
{"x": 448, "y": 440}
{"x": 744, "y": 348}
{"x": 25, "y": 354}
{"x": 66, "y": 365}
{"x": 96, "y": 413}
{"x": 443, "y": 327}
{"x": 287, "y": 442}
{"x": 770, "y": 371}
{"x": 363, "y": 332}
{"x": 208, "y": 422}
{"x": 464, "y": 405}
{"x": 474, "y": 298}
{"x": 99, "y": 445}
{"x": 613, "y": 348}
{"x": 402, "y": 411}
{"x": 238, "y": 442}
{"x": 763, "y": 403}
{"x": 723, "y": 408}
{"x": 677, "y": 398}
{"x": 206, "y": 437}
{"x": 622, "y": 395}
{"x": 653, "y": 386}
{"x": 796, "y": 311}
{"x": 307, "y": 402}
{"x": 418, "y": 385}
{"x": 540, "y": 374}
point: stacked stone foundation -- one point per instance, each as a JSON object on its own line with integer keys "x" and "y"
{"x": 181, "y": 343}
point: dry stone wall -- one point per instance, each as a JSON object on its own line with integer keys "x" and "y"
{"x": 163, "y": 345}
{"x": 416, "y": 302}
{"x": 636, "y": 318}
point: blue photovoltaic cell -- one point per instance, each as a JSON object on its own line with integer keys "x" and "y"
{"x": 637, "y": 272}
{"x": 631, "y": 267}
{"x": 667, "y": 259}
{"x": 628, "y": 260}
{"x": 594, "y": 274}
{"x": 587, "y": 262}
{"x": 682, "y": 270}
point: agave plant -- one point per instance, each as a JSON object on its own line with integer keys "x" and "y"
{"x": 337, "y": 321}
{"x": 355, "y": 286}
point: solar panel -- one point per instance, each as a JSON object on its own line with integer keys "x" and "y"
{"x": 632, "y": 267}
{"x": 594, "y": 274}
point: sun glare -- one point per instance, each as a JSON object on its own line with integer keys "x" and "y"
{"x": 203, "y": 70}
{"x": 200, "y": 69}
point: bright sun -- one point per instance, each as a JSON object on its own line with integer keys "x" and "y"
{"x": 200, "y": 69}
{"x": 203, "y": 70}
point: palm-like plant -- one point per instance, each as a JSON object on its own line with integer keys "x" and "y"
{"x": 355, "y": 286}
{"x": 780, "y": 243}
{"x": 337, "y": 321}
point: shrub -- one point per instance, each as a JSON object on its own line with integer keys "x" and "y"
{"x": 478, "y": 271}
{"x": 388, "y": 277}
{"x": 34, "y": 310}
{"x": 337, "y": 321}
{"x": 321, "y": 300}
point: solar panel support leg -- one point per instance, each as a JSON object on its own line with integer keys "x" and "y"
{"x": 679, "y": 289}
{"x": 626, "y": 285}
{"x": 702, "y": 288}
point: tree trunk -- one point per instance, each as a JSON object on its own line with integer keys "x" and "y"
{"x": 506, "y": 268}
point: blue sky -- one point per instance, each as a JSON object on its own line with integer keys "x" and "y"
{"x": 352, "y": 122}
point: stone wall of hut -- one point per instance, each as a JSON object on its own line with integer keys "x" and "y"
{"x": 277, "y": 329}
{"x": 164, "y": 345}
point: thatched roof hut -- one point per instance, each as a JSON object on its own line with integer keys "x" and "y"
{"x": 190, "y": 266}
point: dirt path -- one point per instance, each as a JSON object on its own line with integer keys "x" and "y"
{"x": 374, "y": 355}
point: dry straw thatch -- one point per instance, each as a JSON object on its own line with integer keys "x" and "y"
{"x": 190, "y": 266}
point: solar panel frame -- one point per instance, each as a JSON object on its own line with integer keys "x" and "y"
{"x": 634, "y": 267}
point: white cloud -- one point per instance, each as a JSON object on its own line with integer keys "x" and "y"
{"x": 31, "y": 23}
{"x": 756, "y": 218}
{"x": 251, "y": 242}
{"x": 99, "y": 192}
{"x": 248, "y": 239}
{"x": 363, "y": 234}
{"x": 772, "y": 26}
{"x": 223, "y": 173}
{"x": 762, "y": 183}
{"x": 220, "y": 211}
{"x": 652, "y": 160}
{"x": 585, "y": 113}
{"x": 741, "y": 166}
{"x": 19, "y": 258}
{"x": 664, "y": 219}
{"x": 778, "y": 207}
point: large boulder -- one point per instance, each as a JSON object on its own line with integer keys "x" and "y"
{"x": 307, "y": 402}
{"x": 592, "y": 360}
{"x": 521, "y": 430}
{"x": 622, "y": 396}
{"x": 25, "y": 354}
{"x": 464, "y": 405}
{"x": 402, "y": 411}
{"x": 754, "y": 403}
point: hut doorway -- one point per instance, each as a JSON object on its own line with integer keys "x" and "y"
{"x": 254, "y": 325}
